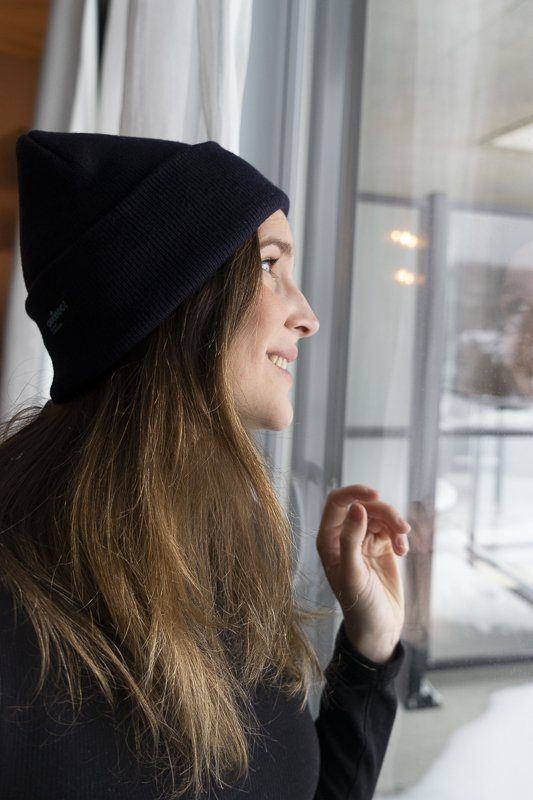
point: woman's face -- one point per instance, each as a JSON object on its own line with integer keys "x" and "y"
{"x": 283, "y": 316}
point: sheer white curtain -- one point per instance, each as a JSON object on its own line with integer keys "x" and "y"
{"x": 66, "y": 100}
{"x": 185, "y": 67}
{"x": 169, "y": 70}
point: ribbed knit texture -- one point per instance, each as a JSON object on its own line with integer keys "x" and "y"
{"x": 116, "y": 231}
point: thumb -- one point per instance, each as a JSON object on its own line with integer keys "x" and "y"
{"x": 353, "y": 534}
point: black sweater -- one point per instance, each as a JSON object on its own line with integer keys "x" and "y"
{"x": 43, "y": 756}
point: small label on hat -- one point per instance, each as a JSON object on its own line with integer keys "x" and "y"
{"x": 52, "y": 321}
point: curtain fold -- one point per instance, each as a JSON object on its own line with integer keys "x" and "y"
{"x": 112, "y": 67}
{"x": 185, "y": 69}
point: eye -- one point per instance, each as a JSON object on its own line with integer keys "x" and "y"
{"x": 270, "y": 262}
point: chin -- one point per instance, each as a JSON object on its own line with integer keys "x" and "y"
{"x": 280, "y": 422}
{"x": 271, "y": 422}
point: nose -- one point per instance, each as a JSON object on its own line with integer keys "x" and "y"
{"x": 303, "y": 317}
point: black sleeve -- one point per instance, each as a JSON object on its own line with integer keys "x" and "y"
{"x": 357, "y": 711}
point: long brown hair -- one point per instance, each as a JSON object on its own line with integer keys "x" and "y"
{"x": 140, "y": 532}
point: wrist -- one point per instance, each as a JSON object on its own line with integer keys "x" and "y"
{"x": 378, "y": 648}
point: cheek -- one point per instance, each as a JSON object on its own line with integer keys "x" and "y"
{"x": 261, "y": 334}
{"x": 271, "y": 313}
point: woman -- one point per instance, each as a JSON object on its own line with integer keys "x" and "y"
{"x": 150, "y": 639}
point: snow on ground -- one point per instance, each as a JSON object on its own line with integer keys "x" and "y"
{"x": 465, "y": 595}
{"x": 487, "y": 759}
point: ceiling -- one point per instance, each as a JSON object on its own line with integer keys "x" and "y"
{"x": 442, "y": 78}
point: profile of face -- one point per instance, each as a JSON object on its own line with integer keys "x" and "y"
{"x": 283, "y": 316}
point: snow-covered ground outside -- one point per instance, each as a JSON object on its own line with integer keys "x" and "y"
{"x": 474, "y": 612}
{"x": 475, "y": 596}
{"x": 486, "y": 759}
{"x": 477, "y": 600}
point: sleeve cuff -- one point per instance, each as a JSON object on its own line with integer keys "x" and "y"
{"x": 355, "y": 667}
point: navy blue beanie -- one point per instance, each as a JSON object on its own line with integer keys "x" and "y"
{"x": 116, "y": 231}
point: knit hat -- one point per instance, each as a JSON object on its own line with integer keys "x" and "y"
{"x": 116, "y": 231}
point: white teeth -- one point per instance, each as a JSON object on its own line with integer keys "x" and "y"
{"x": 279, "y": 361}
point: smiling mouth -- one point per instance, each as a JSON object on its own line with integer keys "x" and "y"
{"x": 281, "y": 369}
{"x": 279, "y": 360}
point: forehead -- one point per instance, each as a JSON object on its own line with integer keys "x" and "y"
{"x": 277, "y": 226}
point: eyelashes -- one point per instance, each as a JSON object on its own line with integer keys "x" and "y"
{"x": 271, "y": 262}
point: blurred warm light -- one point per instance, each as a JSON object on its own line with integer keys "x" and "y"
{"x": 405, "y": 239}
{"x": 407, "y": 277}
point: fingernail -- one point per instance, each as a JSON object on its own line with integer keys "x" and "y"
{"x": 355, "y": 511}
{"x": 402, "y": 545}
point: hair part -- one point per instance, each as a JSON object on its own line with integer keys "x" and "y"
{"x": 141, "y": 534}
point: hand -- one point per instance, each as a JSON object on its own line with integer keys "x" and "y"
{"x": 358, "y": 541}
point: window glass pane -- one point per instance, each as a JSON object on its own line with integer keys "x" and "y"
{"x": 439, "y": 411}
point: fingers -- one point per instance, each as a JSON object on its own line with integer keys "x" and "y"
{"x": 400, "y": 544}
{"x": 346, "y": 495}
{"x": 399, "y": 541}
{"x": 380, "y": 513}
{"x": 338, "y": 501}
{"x": 357, "y": 525}
{"x": 376, "y": 525}
{"x": 381, "y": 519}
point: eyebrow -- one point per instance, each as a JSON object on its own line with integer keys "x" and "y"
{"x": 286, "y": 248}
